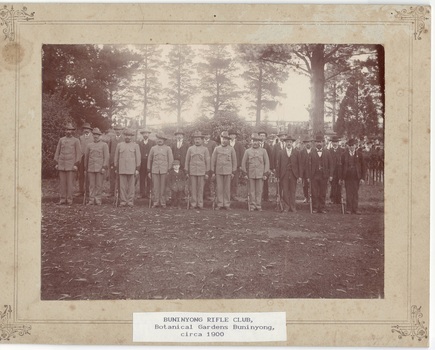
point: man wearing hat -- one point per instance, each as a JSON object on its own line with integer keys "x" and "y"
{"x": 96, "y": 165}
{"x": 336, "y": 153}
{"x": 210, "y": 145}
{"x": 305, "y": 158}
{"x": 353, "y": 174}
{"x": 179, "y": 148}
{"x": 255, "y": 164}
{"x": 145, "y": 147}
{"x": 127, "y": 164}
{"x": 321, "y": 171}
{"x": 276, "y": 149}
{"x": 85, "y": 139}
{"x": 269, "y": 150}
{"x": 240, "y": 150}
{"x": 113, "y": 143}
{"x": 289, "y": 172}
{"x": 223, "y": 168}
{"x": 67, "y": 156}
{"x": 197, "y": 167}
{"x": 160, "y": 161}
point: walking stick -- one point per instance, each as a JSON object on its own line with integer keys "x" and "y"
{"x": 311, "y": 198}
{"x": 116, "y": 199}
{"x": 213, "y": 190}
{"x": 188, "y": 194}
{"x": 249, "y": 196}
{"x": 85, "y": 184}
{"x": 342, "y": 202}
{"x": 151, "y": 191}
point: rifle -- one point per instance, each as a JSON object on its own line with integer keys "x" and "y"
{"x": 279, "y": 206}
{"x": 311, "y": 198}
{"x": 213, "y": 190}
{"x": 249, "y": 196}
{"x": 342, "y": 202}
{"x": 85, "y": 179}
{"x": 151, "y": 190}
{"x": 116, "y": 199}
{"x": 188, "y": 193}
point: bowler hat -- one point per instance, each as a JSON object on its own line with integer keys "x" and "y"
{"x": 307, "y": 139}
{"x": 289, "y": 138}
{"x": 179, "y": 132}
{"x": 96, "y": 131}
{"x": 232, "y": 132}
{"x": 176, "y": 162}
{"x": 145, "y": 131}
{"x": 69, "y": 126}
{"x": 118, "y": 127}
{"x": 225, "y": 135}
{"x": 86, "y": 126}
{"x": 281, "y": 133}
{"x": 256, "y": 137}
{"x": 351, "y": 142}
{"x": 197, "y": 134}
{"x": 262, "y": 132}
{"x": 128, "y": 132}
{"x": 335, "y": 139}
{"x": 319, "y": 138}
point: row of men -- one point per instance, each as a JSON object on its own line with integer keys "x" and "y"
{"x": 291, "y": 165}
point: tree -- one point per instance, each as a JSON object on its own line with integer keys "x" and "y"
{"x": 217, "y": 73}
{"x": 263, "y": 79}
{"x": 182, "y": 82}
{"x": 150, "y": 88}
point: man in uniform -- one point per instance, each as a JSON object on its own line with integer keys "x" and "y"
{"x": 145, "y": 147}
{"x": 96, "y": 164}
{"x": 67, "y": 156}
{"x": 353, "y": 174}
{"x": 159, "y": 162}
{"x": 269, "y": 150}
{"x": 336, "y": 154}
{"x": 179, "y": 148}
{"x": 85, "y": 139}
{"x": 127, "y": 162}
{"x": 211, "y": 145}
{"x": 289, "y": 172}
{"x": 240, "y": 150}
{"x": 223, "y": 168}
{"x": 113, "y": 143}
{"x": 197, "y": 167}
{"x": 321, "y": 170}
{"x": 255, "y": 164}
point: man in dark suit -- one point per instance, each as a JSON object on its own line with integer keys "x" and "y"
{"x": 353, "y": 174}
{"x": 179, "y": 148}
{"x": 277, "y": 147}
{"x": 321, "y": 170}
{"x": 305, "y": 159}
{"x": 289, "y": 170}
{"x": 269, "y": 151}
{"x": 145, "y": 146}
{"x": 336, "y": 153}
{"x": 240, "y": 151}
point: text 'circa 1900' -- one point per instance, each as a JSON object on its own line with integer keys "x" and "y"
{"x": 209, "y": 327}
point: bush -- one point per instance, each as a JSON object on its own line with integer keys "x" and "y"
{"x": 55, "y": 114}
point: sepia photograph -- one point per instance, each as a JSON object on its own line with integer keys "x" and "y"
{"x": 212, "y": 171}
{"x": 223, "y": 174}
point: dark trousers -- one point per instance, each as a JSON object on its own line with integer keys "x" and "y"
{"x": 288, "y": 183}
{"x": 335, "y": 191}
{"x": 144, "y": 180}
{"x": 351, "y": 183}
{"x": 319, "y": 186}
{"x": 177, "y": 198}
{"x": 305, "y": 185}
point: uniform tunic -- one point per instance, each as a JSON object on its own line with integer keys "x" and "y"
{"x": 197, "y": 165}
{"x": 68, "y": 154}
{"x": 127, "y": 161}
{"x": 113, "y": 143}
{"x": 255, "y": 163}
{"x": 96, "y": 159}
{"x": 84, "y": 141}
{"x": 223, "y": 164}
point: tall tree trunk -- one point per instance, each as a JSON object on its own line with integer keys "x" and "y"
{"x": 334, "y": 104}
{"x": 259, "y": 93}
{"x": 145, "y": 99}
{"x": 179, "y": 92}
{"x": 217, "y": 97}
{"x": 318, "y": 88}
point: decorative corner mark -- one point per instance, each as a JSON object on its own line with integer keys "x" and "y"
{"x": 419, "y": 15}
{"x": 8, "y": 18}
{"x": 8, "y": 329}
{"x": 416, "y": 329}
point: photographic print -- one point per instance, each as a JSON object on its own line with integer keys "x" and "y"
{"x": 223, "y": 174}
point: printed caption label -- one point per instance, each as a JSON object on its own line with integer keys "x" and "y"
{"x": 183, "y": 327}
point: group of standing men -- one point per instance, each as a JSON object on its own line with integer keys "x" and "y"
{"x": 207, "y": 167}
